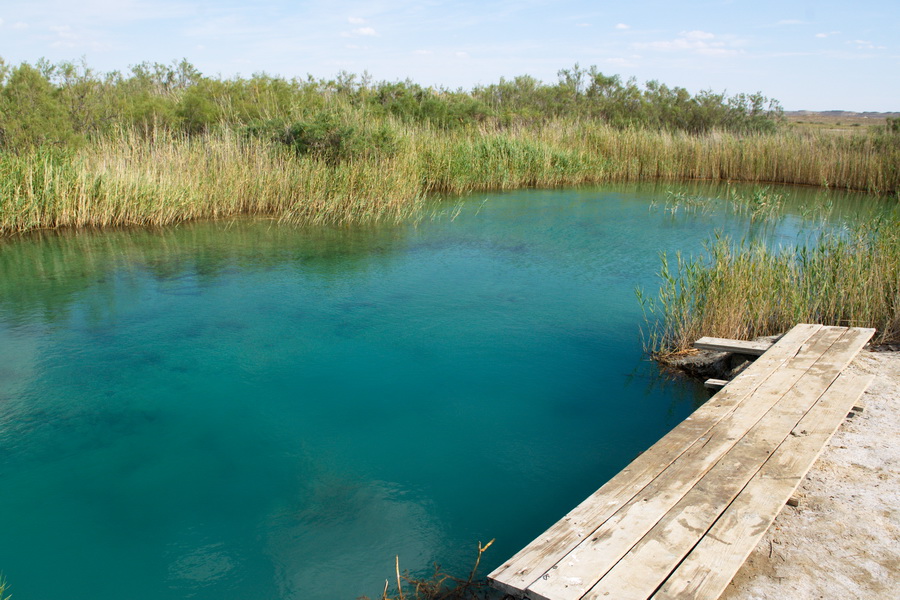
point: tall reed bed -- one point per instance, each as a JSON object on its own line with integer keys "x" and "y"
{"x": 161, "y": 178}
{"x": 131, "y": 179}
{"x": 460, "y": 163}
{"x": 863, "y": 163}
{"x": 744, "y": 291}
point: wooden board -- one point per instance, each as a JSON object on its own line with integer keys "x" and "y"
{"x": 737, "y": 346}
{"x": 533, "y": 561}
{"x": 627, "y": 538}
{"x": 649, "y": 563}
{"x": 715, "y": 383}
{"x": 711, "y": 565}
{"x": 572, "y": 576}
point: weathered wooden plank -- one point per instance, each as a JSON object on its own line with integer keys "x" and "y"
{"x": 578, "y": 571}
{"x": 530, "y": 563}
{"x": 738, "y": 346}
{"x": 649, "y": 563}
{"x": 711, "y": 565}
{"x": 715, "y": 383}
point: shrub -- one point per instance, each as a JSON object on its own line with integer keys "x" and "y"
{"x": 325, "y": 136}
{"x": 30, "y": 111}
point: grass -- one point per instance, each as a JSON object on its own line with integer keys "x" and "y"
{"x": 133, "y": 178}
{"x": 744, "y": 291}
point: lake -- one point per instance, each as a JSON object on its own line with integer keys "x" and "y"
{"x": 242, "y": 409}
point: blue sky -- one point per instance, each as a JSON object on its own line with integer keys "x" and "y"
{"x": 816, "y": 55}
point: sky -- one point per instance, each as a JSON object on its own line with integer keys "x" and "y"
{"x": 808, "y": 54}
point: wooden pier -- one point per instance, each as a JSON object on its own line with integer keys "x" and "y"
{"x": 681, "y": 519}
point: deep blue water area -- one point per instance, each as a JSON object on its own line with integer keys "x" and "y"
{"x": 246, "y": 410}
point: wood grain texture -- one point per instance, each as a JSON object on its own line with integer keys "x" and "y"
{"x": 711, "y": 565}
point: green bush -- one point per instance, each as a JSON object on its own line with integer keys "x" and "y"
{"x": 31, "y": 113}
{"x": 327, "y": 137}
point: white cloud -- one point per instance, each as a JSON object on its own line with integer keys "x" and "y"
{"x": 790, "y": 22}
{"x": 866, "y": 45}
{"x": 423, "y": 52}
{"x": 1, "y": 22}
{"x": 622, "y": 26}
{"x": 64, "y": 36}
{"x": 360, "y": 31}
{"x": 697, "y": 42}
{"x": 698, "y": 35}
{"x": 20, "y": 25}
{"x": 67, "y": 37}
{"x": 102, "y": 13}
{"x": 228, "y": 27}
{"x": 620, "y": 62}
{"x": 356, "y": 20}
{"x": 582, "y": 25}
{"x": 825, "y": 35}
{"x": 461, "y": 54}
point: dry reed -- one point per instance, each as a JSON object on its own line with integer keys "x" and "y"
{"x": 164, "y": 178}
{"x": 440, "y": 586}
{"x": 746, "y": 291}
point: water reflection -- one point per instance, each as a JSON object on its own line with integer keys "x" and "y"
{"x": 45, "y": 271}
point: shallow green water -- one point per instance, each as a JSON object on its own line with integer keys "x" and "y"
{"x": 241, "y": 410}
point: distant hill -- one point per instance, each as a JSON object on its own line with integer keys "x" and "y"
{"x": 840, "y": 114}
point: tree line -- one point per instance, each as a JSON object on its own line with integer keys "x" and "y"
{"x": 68, "y": 103}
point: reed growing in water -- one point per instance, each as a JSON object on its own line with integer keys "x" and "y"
{"x": 441, "y": 585}
{"x": 745, "y": 291}
{"x": 159, "y": 179}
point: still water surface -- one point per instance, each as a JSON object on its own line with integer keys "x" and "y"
{"x": 238, "y": 410}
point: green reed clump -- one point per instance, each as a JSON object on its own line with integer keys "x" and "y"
{"x": 743, "y": 291}
{"x": 460, "y": 163}
{"x": 760, "y": 204}
{"x": 687, "y": 203}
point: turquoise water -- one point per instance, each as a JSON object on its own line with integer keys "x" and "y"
{"x": 244, "y": 410}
